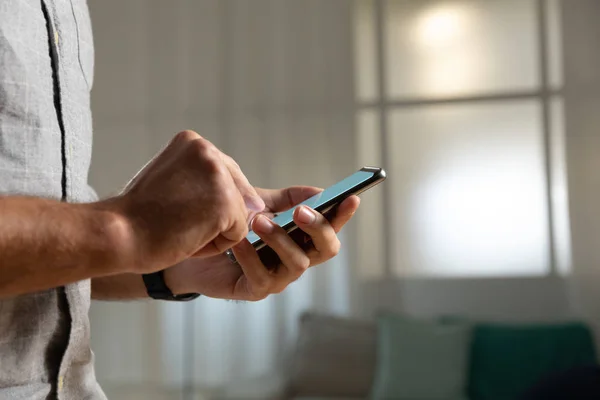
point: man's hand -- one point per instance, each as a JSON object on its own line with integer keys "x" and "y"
{"x": 191, "y": 199}
{"x": 250, "y": 280}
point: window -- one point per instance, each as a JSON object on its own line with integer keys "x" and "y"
{"x": 460, "y": 100}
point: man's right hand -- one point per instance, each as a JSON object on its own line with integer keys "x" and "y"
{"x": 191, "y": 199}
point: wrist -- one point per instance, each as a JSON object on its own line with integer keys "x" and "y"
{"x": 118, "y": 238}
{"x": 174, "y": 282}
{"x": 158, "y": 288}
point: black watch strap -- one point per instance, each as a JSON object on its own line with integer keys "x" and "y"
{"x": 158, "y": 289}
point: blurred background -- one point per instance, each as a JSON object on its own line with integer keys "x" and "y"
{"x": 486, "y": 116}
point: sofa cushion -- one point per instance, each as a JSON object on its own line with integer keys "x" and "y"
{"x": 508, "y": 359}
{"x": 420, "y": 359}
{"x": 334, "y": 357}
{"x": 328, "y": 398}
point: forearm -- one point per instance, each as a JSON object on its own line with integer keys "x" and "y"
{"x": 45, "y": 244}
{"x": 119, "y": 287}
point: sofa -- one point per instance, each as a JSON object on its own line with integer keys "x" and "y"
{"x": 342, "y": 358}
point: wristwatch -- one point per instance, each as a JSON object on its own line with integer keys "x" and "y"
{"x": 158, "y": 289}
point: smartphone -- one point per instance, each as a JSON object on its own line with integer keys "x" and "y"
{"x": 325, "y": 203}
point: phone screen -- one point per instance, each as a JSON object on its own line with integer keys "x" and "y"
{"x": 342, "y": 187}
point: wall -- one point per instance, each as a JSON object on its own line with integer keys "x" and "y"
{"x": 268, "y": 81}
{"x": 123, "y": 142}
{"x": 582, "y": 116}
{"x": 499, "y": 299}
{"x": 149, "y": 85}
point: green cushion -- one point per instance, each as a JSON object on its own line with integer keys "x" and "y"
{"x": 506, "y": 359}
{"x": 420, "y": 360}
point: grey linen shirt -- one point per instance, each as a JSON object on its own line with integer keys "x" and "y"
{"x": 46, "y": 72}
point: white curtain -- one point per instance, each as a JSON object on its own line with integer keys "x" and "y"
{"x": 271, "y": 83}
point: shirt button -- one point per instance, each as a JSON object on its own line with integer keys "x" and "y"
{"x": 61, "y": 382}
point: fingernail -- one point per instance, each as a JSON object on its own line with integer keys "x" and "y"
{"x": 262, "y": 224}
{"x": 306, "y": 216}
{"x": 255, "y": 203}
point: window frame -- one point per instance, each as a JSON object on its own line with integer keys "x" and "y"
{"x": 545, "y": 93}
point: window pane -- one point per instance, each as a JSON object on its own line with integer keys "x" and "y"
{"x": 468, "y": 190}
{"x": 371, "y": 250}
{"x": 365, "y": 58}
{"x": 460, "y": 47}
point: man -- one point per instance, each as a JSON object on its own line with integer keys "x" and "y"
{"x": 164, "y": 235}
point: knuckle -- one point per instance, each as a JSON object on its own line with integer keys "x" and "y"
{"x": 203, "y": 152}
{"x": 261, "y": 290}
{"x": 280, "y": 289}
{"x": 232, "y": 162}
{"x": 214, "y": 169}
{"x": 222, "y": 246}
{"x": 186, "y": 136}
{"x": 258, "y": 297}
{"x": 201, "y": 148}
{"x": 334, "y": 249}
{"x": 223, "y": 223}
{"x": 234, "y": 229}
{"x": 240, "y": 233}
{"x": 300, "y": 263}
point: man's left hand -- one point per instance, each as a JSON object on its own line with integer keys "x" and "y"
{"x": 249, "y": 279}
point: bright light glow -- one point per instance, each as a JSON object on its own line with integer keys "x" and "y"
{"x": 441, "y": 26}
{"x": 468, "y": 190}
{"x": 460, "y": 47}
{"x": 473, "y": 215}
{"x": 441, "y": 34}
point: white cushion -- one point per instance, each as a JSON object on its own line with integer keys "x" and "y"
{"x": 334, "y": 357}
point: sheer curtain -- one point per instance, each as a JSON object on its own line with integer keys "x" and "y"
{"x": 271, "y": 83}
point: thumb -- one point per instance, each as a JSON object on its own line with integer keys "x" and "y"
{"x": 278, "y": 200}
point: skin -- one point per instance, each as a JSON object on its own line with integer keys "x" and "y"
{"x": 179, "y": 214}
{"x": 217, "y": 277}
{"x": 250, "y": 280}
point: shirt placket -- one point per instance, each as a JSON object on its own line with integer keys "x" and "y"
{"x": 57, "y": 68}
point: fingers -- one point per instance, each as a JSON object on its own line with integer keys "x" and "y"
{"x": 228, "y": 237}
{"x": 345, "y": 212}
{"x": 251, "y": 198}
{"x": 229, "y": 206}
{"x": 236, "y": 227}
{"x": 258, "y": 280}
{"x": 294, "y": 260}
{"x": 324, "y": 238}
{"x": 239, "y": 195}
{"x": 175, "y": 145}
{"x": 261, "y": 281}
{"x": 278, "y": 200}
